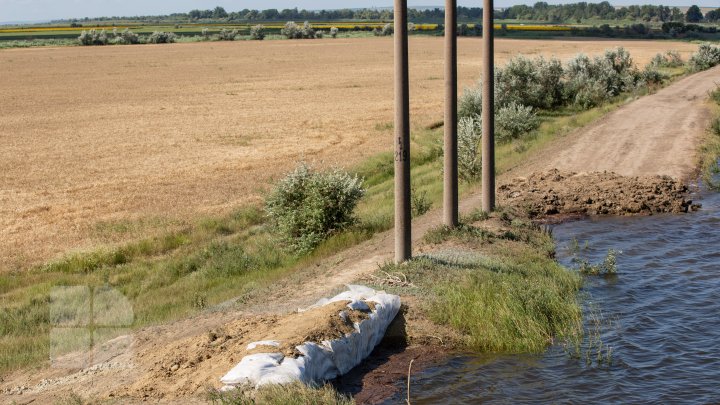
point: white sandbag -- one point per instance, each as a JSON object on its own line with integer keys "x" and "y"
{"x": 323, "y": 361}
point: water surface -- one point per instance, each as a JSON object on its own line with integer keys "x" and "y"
{"x": 660, "y": 316}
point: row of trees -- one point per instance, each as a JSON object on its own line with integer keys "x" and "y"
{"x": 540, "y": 11}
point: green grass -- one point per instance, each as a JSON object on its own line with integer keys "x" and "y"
{"x": 501, "y": 290}
{"x": 710, "y": 148}
{"x": 281, "y": 395}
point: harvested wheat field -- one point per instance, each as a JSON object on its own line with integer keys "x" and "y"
{"x": 104, "y": 144}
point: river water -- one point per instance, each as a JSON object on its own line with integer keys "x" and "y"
{"x": 660, "y": 316}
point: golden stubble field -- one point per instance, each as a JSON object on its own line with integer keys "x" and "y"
{"x": 104, "y": 144}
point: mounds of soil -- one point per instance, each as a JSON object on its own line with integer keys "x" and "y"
{"x": 566, "y": 194}
{"x": 193, "y": 365}
{"x": 315, "y": 325}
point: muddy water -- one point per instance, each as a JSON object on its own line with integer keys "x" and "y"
{"x": 660, "y": 316}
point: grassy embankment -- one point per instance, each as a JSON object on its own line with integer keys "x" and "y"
{"x": 710, "y": 149}
{"x": 219, "y": 258}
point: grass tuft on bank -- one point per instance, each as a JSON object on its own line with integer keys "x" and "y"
{"x": 297, "y": 393}
{"x": 496, "y": 283}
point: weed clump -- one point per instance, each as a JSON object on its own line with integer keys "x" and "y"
{"x": 306, "y": 207}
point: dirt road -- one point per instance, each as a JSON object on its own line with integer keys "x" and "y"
{"x": 654, "y": 135}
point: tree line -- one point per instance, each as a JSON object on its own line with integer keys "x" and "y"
{"x": 540, "y": 11}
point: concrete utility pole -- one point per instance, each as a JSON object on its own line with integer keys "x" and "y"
{"x": 450, "y": 198}
{"x": 488, "y": 110}
{"x": 403, "y": 248}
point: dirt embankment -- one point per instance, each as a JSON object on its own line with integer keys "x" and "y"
{"x": 561, "y": 193}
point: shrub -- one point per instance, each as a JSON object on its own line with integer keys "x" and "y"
{"x": 319, "y": 34}
{"x": 306, "y": 207}
{"x": 159, "y": 37}
{"x": 93, "y": 37}
{"x": 419, "y": 203}
{"x": 514, "y": 120}
{"x": 470, "y": 103}
{"x": 227, "y": 35}
{"x": 307, "y": 31}
{"x": 650, "y": 75}
{"x": 388, "y": 30}
{"x": 670, "y": 59}
{"x": 469, "y": 157}
{"x": 706, "y": 57}
{"x": 334, "y": 32}
{"x": 591, "y": 82}
{"x": 127, "y": 37}
{"x": 536, "y": 83}
{"x": 291, "y": 30}
{"x": 257, "y": 32}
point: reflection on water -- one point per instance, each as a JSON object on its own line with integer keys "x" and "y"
{"x": 661, "y": 318}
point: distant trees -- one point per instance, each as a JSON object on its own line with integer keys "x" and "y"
{"x": 540, "y": 11}
{"x": 693, "y": 14}
{"x": 713, "y": 15}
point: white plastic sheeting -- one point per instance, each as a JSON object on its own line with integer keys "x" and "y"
{"x": 328, "y": 359}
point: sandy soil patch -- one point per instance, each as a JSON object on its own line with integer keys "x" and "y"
{"x": 104, "y": 144}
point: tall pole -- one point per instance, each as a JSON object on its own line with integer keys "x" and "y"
{"x": 488, "y": 110}
{"x": 450, "y": 197}
{"x": 403, "y": 247}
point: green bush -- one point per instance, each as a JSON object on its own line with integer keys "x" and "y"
{"x": 291, "y": 30}
{"x": 469, "y": 157}
{"x": 706, "y": 57}
{"x": 514, "y": 120}
{"x": 307, "y": 207}
{"x": 228, "y": 35}
{"x": 669, "y": 59}
{"x": 160, "y": 37}
{"x": 334, "y": 32}
{"x": 307, "y": 31}
{"x": 532, "y": 82}
{"x": 651, "y": 75}
{"x": 591, "y": 82}
{"x": 93, "y": 37}
{"x": 470, "y": 103}
{"x": 126, "y": 37}
{"x": 257, "y": 32}
{"x": 294, "y": 31}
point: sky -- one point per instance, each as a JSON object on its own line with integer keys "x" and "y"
{"x": 38, "y": 10}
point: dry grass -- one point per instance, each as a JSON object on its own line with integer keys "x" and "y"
{"x": 103, "y": 145}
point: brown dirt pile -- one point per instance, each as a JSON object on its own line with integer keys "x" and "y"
{"x": 598, "y": 193}
{"x": 192, "y": 365}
